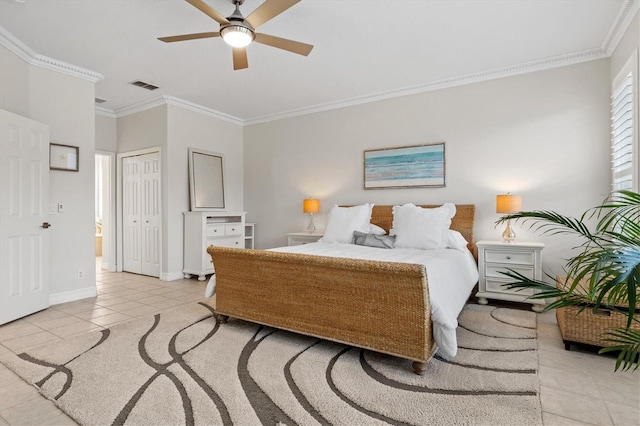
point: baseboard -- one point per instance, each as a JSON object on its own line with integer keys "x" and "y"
{"x": 70, "y": 296}
{"x": 171, "y": 276}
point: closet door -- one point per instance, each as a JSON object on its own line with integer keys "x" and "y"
{"x": 151, "y": 219}
{"x": 131, "y": 229}
{"x": 141, "y": 214}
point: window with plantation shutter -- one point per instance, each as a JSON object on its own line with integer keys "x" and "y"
{"x": 624, "y": 146}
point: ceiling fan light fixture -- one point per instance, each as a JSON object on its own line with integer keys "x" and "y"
{"x": 237, "y": 35}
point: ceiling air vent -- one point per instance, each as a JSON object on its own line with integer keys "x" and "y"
{"x": 100, "y": 101}
{"x": 144, "y": 85}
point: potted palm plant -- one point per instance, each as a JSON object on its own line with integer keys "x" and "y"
{"x": 606, "y": 272}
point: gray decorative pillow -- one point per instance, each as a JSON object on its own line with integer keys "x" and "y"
{"x": 372, "y": 240}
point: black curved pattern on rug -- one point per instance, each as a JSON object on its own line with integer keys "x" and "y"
{"x": 181, "y": 367}
{"x": 61, "y": 368}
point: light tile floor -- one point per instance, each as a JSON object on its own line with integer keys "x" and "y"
{"x": 576, "y": 387}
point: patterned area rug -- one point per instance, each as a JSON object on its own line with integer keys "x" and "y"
{"x": 180, "y": 367}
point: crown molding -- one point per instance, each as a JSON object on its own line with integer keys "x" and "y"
{"x": 627, "y": 13}
{"x": 140, "y": 106}
{"x": 523, "y": 68}
{"x": 513, "y": 70}
{"x": 171, "y": 100}
{"x": 28, "y": 55}
{"x": 105, "y": 112}
{"x": 174, "y": 101}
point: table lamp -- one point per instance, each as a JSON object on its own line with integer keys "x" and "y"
{"x": 507, "y": 204}
{"x": 311, "y": 206}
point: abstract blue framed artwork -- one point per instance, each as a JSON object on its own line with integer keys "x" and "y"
{"x": 403, "y": 167}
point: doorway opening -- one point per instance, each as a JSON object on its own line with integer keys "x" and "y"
{"x": 105, "y": 211}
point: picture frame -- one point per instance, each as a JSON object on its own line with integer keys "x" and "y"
{"x": 405, "y": 167}
{"x": 64, "y": 157}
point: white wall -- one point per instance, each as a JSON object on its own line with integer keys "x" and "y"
{"x": 142, "y": 130}
{"x": 66, "y": 104}
{"x": 14, "y": 83}
{"x": 627, "y": 45}
{"x": 544, "y": 136}
{"x": 175, "y": 129}
{"x": 188, "y": 129}
{"x": 106, "y": 134}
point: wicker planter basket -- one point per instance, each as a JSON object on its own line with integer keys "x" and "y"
{"x": 589, "y": 326}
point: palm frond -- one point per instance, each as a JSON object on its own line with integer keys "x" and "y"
{"x": 627, "y": 341}
{"x": 549, "y": 222}
{"x": 606, "y": 272}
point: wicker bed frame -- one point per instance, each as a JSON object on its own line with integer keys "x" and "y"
{"x": 381, "y": 306}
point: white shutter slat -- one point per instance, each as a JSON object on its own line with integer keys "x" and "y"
{"x": 622, "y": 134}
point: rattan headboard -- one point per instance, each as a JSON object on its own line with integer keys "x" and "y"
{"x": 462, "y": 222}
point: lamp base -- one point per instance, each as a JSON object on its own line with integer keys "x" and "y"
{"x": 508, "y": 236}
{"x": 311, "y": 228}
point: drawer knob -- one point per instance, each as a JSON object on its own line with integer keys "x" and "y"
{"x": 508, "y": 257}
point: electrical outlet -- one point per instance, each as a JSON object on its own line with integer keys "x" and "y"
{"x": 60, "y": 207}
{"x": 80, "y": 274}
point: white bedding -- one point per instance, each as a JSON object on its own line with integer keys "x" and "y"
{"x": 451, "y": 276}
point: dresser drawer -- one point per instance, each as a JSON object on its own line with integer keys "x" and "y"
{"x": 495, "y": 271}
{"x": 232, "y": 229}
{"x": 214, "y": 230}
{"x": 513, "y": 256}
{"x": 225, "y": 242}
{"x": 497, "y": 286}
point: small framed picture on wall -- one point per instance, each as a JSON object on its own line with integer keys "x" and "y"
{"x": 63, "y": 157}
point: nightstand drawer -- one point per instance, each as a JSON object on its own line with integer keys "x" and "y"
{"x": 512, "y": 256}
{"x": 494, "y": 271}
{"x": 299, "y": 238}
{"x": 497, "y": 286}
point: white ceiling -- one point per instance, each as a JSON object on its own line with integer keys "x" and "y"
{"x": 364, "y": 49}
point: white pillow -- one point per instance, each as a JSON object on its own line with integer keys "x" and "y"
{"x": 343, "y": 221}
{"x": 376, "y": 230}
{"x": 456, "y": 240}
{"x": 417, "y": 227}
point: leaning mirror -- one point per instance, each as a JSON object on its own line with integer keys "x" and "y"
{"x": 206, "y": 180}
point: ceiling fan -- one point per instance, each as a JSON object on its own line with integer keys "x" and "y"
{"x": 239, "y": 32}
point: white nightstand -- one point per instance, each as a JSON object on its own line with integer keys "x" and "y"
{"x": 298, "y": 238}
{"x": 495, "y": 257}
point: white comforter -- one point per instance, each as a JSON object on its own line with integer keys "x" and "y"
{"x": 451, "y": 275}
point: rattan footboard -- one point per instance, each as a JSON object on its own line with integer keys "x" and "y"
{"x": 382, "y": 306}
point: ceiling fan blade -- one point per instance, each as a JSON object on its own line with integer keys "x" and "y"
{"x": 268, "y": 10}
{"x": 240, "y": 58}
{"x": 209, "y": 11}
{"x": 184, "y": 37}
{"x": 285, "y": 44}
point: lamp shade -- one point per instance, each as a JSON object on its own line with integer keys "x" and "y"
{"x": 311, "y": 205}
{"x": 508, "y": 203}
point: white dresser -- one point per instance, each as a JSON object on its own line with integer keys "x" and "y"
{"x": 495, "y": 257}
{"x": 209, "y": 228}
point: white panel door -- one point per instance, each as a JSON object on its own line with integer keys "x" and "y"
{"x": 24, "y": 216}
{"x": 131, "y": 230}
{"x": 141, "y": 214}
{"x": 151, "y": 219}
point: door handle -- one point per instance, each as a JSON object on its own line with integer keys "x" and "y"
{"x": 45, "y": 225}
